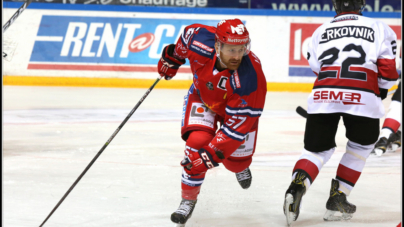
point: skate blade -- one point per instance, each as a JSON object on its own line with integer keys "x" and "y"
{"x": 329, "y": 216}
{"x": 290, "y": 216}
{"x": 378, "y": 152}
{"x": 393, "y": 147}
{"x": 179, "y": 225}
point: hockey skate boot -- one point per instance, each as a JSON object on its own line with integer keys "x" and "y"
{"x": 183, "y": 213}
{"x": 394, "y": 141}
{"x": 293, "y": 198}
{"x": 338, "y": 202}
{"x": 244, "y": 178}
{"x": 380, "y": 147}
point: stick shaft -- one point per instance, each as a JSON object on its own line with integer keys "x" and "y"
{"x": 16, "y": 14}
{"x": 102, "y": 149}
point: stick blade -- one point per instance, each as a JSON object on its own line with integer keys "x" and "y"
{"x": 9, "y": 47}
{"x": 302, "y": 112}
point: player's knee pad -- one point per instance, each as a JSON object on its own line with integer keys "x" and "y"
{"x": 358, "y": 151}
{"x": 196, "y": 140}
{"x": 237, "y": 165}
{"x": 318, "y": 158}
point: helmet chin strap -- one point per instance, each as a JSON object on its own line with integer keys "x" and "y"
{"x": 221, "y": 62}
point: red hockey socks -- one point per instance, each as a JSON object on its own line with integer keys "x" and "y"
{"x": 190, "y": 184}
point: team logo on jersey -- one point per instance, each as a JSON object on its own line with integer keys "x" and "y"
{"x": 237, "y": 79}
{"x": 186, "y": 36}
{"x": 203, "y": 46}
{"x": 360, "y": 32}
{"x": 247, "y": 148}
{"x": 242, "y": 146}
{"x": 346, "y": 98}
{"x": 220, "y": 137}
{"x": 209, "y": 85}
{"x": 243, "y": 103}
{"x": 201, "y": 115}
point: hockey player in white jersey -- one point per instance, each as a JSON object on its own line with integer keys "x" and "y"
{"x": 390, "y": 135}
{"x": 354, "y": 59}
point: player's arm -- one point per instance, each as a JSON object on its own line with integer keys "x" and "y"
{"x": 315, "y": 65}
{"x": 386, "y": 61}
{"x": 173, "y": 55}
{"x": 239, "y": 121}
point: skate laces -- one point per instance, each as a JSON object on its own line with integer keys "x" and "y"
{"x": 300, "y": 177}
{"x": 334, "y": 189}
{"x": 243, "y": 175}
{"x": 185, "y": 207}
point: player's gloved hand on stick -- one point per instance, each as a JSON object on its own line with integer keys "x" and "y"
{"x": 198, "y": 162}
{"x": 168, "y": 65}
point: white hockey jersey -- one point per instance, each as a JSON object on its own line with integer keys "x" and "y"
{"x": 353, "y": 56}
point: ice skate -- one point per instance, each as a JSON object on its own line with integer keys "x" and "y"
{"x": 183, "y": 213}
{"x": 380, "y": 147}
{"x": 293, "y": 198}
{"x": 244, "y": 178}
{"x": 338, "y": 203}
{"x": 394, "y": 141}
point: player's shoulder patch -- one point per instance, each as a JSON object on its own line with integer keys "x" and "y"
{"x": 244, "y": 80}
{"x": 203, "y": 43}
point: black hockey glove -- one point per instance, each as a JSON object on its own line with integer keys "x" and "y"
{"x": 383, "y": 93}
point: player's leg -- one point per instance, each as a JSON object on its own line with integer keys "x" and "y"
{"x": 241, "y": 159}
{"x": 198, "y": 127}
{"x": 362, "y": 133}
{"x": 319, "y": 145}
{"x": 390, "y": 135}
{"x": 191, "y": 184}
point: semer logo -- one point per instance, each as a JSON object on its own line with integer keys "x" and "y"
{"x": 347, "y": 98}
{"x": 141, "y": 42}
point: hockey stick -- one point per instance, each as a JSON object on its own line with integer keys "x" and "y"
{"x": 103, "y": 148}
{"x": 16, "y": 14}
{"x": 302, "y": 112}
{"x": 9, "y": 22}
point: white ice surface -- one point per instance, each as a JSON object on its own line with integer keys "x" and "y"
{"x": 50, "y": 135}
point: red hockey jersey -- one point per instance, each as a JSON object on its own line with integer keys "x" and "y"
{"x": 237, "y": 96}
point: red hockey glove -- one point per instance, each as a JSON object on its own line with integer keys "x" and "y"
{"x": 168, "y": 65}
{"x": 198, "y": 162}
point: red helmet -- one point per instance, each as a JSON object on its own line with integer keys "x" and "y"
{"x": 233, "y": 32}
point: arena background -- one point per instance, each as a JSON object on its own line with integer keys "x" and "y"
{"x": 117, "y": 43}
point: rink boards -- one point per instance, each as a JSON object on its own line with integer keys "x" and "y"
{"x": 119, "y": 46}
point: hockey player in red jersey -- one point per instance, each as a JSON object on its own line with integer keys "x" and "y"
{"x": 354, "y": 59}
{"x": 228, "y": 89}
